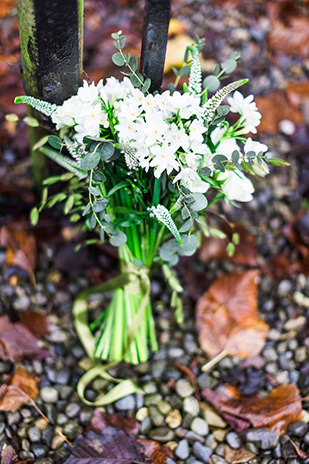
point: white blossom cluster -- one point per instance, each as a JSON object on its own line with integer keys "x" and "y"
{"x": 164, "y": 132}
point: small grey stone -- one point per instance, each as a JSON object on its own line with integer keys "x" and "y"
{"x": 5, "y": 367}
{"x": 156, "y": 416}
{"x": 47, "y": 435}
{"x": 211, "y": 441}
{"x": 13, "y": 417}
{"x": 71, "y": 430}
{"x": 306, "y": 439}
{"x": 21, "y": 303}
{"x": 205, "y": 381}
{"x": 51, "y": 374}
{"x": 202, "y": 452}
{"x": 44, "y": 461}
{"x": 192, "y": 437}
{"x": 49, "y": 394}
{"x": 266, "y": 439}
{"x": 158, "y": 368}
{"x": 21, "y": 432}
{"x": 217, "y": 459}
{"x": 25, "y": 444}
{"x": 191, "y": 406}
{"x": 270, "y": 354}
{"x": 182, "y": 450}
{"x": 39, "y": 450}
{"x": 63, "y": 376}
{"x": 161, "y": 434}
{"x": 72, "y": 410}
{"x": 126, "y": 403}
{"x": 150, "y": 387}
{"x": 2, "y": 427}
{"x": 26, "y": 455}
{"x": 199, "y": 426}
{"x": 164, "y": 407}
{"x": 233, "y": 440}
{"x": 34, "y": 434}
{"x": 65, "y": 391}
{"x": 298, "y": 429}
{"x": 152, "y": 399}
{"x": 176, "y": 352}
{"x": 146, "y": 425}
{"x": 184, "y": 388}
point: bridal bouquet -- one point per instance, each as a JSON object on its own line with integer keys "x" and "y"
{"x": 140, "y": 168}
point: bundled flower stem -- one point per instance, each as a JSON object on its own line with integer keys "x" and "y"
{"x": 139, "y": 168}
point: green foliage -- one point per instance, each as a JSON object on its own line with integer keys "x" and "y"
{"x": 39, "y": 105}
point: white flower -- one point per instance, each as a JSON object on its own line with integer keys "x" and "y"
{"x": 88, "y": 93}
{"x": 164, "y": 159}
{"x": 66, "y": 113}
{"x": 225, "y": 146}
{"x": 252, "y": 145}
{"x": 197, "y": 129}
{"x": 177, "y": 137}
{"x": 113, "y": 89}
{"x": 236, "y": 186}
{"x": 127, "y": 129}
{"x": 154, "y": 128}
{"x": 192, "y": 181}
{"x": 247, "y": 108}
{"x": 163, "y": 103}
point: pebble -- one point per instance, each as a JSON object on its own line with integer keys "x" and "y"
{"x": 202, "y": 452}
{"x": 146, "y": 425}
{"x": 191, "y": 406}
{"x": 126, "y": 403}
{"x": 294, "y": 324}
{"x": 156, "y": 416}
{"x": 219, "y": 434}
{"x": 301, "y": 354}
{"x": 217, "y": 459}
{"x": 56, "y": 442}
{"x": 141, "y": 414}
{"x": 199, "y": 426}
{"x": 184, "y": 388}
{"x": 164, "y": 407}
{"x": 149, "y": 388}
{"x": 13, "y": 417}
{"x": 182, "y": 451}
{"x": 47, "y": 435}
{"x": 233, "y": 440}
{"x": 173, "y": 419}
{"x": 162, "y": 434}
{"x": 39, "y": 450}
{"x": 72, "y": 410}
{"x": 211, "y": 416}
{"x": 266, "y": 439}
{"x": 34, "y": 434}
{"x": 21, "y": 303}
{"x": 63, "y": 376}
{"x": 298, "y": 429}
{"x": 71, "y": 429}
{"x": 49, "y": 394}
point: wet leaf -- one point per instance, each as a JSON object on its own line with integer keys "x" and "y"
{"x": 21, "y": 389}
{"x": 276, "y": 411}
{"x": 291, "y": 39}
{"x": 215, "y": 247}
{"x": 298, "y": 234}
{"x": 275, "y": 108}
{"x": 226, "y": 317}
{"x": 17, "y": 343}
{"x": 237, "y": 456}
{"x": 114, "y": 446}
{"x": 21, "y": 247}
{"x": 35, "y": 322}
{"x": 100, "y": 420}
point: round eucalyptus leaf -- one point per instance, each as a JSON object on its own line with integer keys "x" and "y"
{"x": 212, "y": 83}
{"x": 189, "y": 245}
{"x": 118, "y": 239}
{"x": 117, "y": 59}
{"x": 90, "y": 161}
{"x": 229, "y": 66}
{"x": 200, "y": 202}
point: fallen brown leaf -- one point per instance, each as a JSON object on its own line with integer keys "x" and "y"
{"x": 292, "y": 39}
{"x": 35, "y": 322}
{"x": 100, "y": 420}
{"x": 9, "y": 456}
{"x": 21, "y": 248}
{"x": 215, "y": 248}
{"x": 300, "y": 453}
{"x": 297, "y": 233}
{"x": 114, "y": 446}
{"x": 276, "y": 411}
{"x": 226, "y": 317}
{"x": 17, "y": 343}
{"x": 237, "y": 456}
{"x": 22, "y": 388}
{"x": 275, "y": 108}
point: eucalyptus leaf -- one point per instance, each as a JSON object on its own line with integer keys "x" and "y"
{"x": 55, "y": 141}
{"x": 118, "y": 59}
{"x": 223, "y": 110}
{"x": 106, "y": 150}
{"x": 186, "y": 226}
{"x": 235, "y": 157}
{"x": 229, "y": 66}
{"x": 211, "y": 83}
{"x": 189, "y": 246}
{"x": 90, "y": 161}
{"x": 118, "y": 239}
{"x": 133, "y": 63}
{"x": 34, "y": 216}
{"x": 200, "y": 202}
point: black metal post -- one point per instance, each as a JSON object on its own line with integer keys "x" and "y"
{"x": 156, "y": 21}
{"x": 51, "y": 40}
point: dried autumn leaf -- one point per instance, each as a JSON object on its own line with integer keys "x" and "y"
{"x": 237, "y": 456}
{"x": 215, "y": 248}
{"x": 100, "y": 420}
{"x": 17, "y": 343}
{"x": 35, "y": 322}
{"x": 21, "y": 248}
{"x": 114, "y": 446}
{"x": 276, "y": 411}
{"x": 22, "y": 388}
{"x": 292, "y": 40}
{"x": 156, "y": 453}
{"x": 226, "y": 317}
{"x": 275, "y": 108}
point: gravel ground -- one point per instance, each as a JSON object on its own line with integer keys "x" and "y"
{"x": 169, "y": 412}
